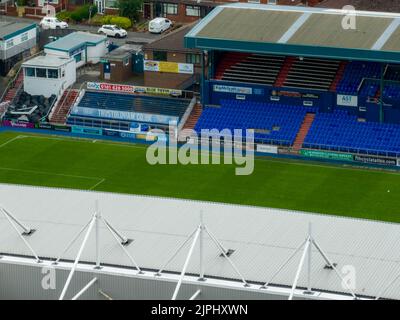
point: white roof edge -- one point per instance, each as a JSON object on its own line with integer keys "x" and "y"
{"x": 48, "y": 60}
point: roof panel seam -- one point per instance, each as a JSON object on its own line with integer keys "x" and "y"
{"x": 379, "y": 44}
{"x": 295, "y": 27}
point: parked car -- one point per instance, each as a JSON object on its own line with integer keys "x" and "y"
{"x": 52, "y": 23}
{"x": 159, "y": 25}
{"x": 112, "y": 31}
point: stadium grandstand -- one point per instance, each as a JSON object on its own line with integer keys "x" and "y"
{"x": 108, "y": 110}
{"x": 123, "y": 248}
{"x": 317, "y": 84}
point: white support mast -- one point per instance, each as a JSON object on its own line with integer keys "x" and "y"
{"x": 84, "y": 289}
{"x": 307, "y": 253}
{"x": 26, "y": 231}
{"x": 94, "y": 223}
{"x": 178, "y": 286}
{"x": 78, "y": 256}
{"x": 198, "y": 235}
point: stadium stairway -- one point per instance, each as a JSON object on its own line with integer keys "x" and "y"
{"x": 339, "y": 76}
{"x": 193, "y": 117}
{"x": 301, "y": 135}
{"x": 281, "y": 78}
{"x": 12, "y": 91}
{"x": 59, "y": 115}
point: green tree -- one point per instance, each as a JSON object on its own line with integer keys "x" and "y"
{"x": 130, "y": 8}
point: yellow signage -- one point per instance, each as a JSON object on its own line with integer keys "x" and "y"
{"x": 172, "y": 67}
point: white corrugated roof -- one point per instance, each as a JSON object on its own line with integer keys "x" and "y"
{"x": 262, "y": 238}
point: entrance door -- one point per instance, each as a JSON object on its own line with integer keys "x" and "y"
{"x": 147, "y": 11}
{"x": 100, "y": 6}
{"x": 138, "y": 62}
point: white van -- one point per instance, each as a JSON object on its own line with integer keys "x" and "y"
{"x": 159, "y": 25}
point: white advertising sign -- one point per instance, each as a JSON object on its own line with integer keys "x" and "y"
{"x": 267, "y": 148}
{"x": 347, "y": 100}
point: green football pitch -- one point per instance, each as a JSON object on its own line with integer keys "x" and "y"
{"x": 116, "y": 167}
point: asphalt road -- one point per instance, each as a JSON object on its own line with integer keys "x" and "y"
{"x": 132, "y": 36}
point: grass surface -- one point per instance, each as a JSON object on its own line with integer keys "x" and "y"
{"x": 105, "y": 166}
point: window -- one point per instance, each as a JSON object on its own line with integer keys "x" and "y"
{"x": 126, "y": 61}
{"x": 30, "y": 72}
{"x": 111, "y": 4}
{"x": 271, "y": 1}
{"x": 192, "y": 11}
{"x": 41, "y": 73}
{"x": 193, "y": 58}
{"x": 9, "y": 43}
{"x": 24, "y": 36}
{"x": 78, "y": 57}
{"x": 160, "y": 55}
{"x": 170, "y": 8}
{"x": 52, "y": 73}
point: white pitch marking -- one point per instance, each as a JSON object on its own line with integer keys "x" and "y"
{"x": 97, "y": 184}
{"x": 51, "y": 173}
{"x": 11, "y": 140}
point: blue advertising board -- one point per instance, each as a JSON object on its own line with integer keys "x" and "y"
{"x": 123, "y": 115}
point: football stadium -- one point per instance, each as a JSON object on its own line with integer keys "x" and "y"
{"x": 84, "y": 215}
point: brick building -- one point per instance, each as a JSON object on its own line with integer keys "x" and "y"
{"x": 168, "y": 64}
{"x": 375, "y": 5}
{"x": 191, "y": 10}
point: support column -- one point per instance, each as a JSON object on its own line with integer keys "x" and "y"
{"x": 201, "y": 277}
{"x": 202, "y": 78}
{"x": 97, "y": 218}
{"x": 309, "y": 290}
{"x": 382, "y": 87}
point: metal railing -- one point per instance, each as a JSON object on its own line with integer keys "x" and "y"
{"x": 11, "y": 83}
{"x": 187, "y": 113}
{"x": 49, "y": 111}
{"x": 80, "y": 93}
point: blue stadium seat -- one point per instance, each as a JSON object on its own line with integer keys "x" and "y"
{"x": 125, "y": 102}
{"x": 343, "y": 132}
{"x": 273, "y": 123}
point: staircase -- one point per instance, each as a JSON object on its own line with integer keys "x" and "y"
{"x": 339, "y": 76}
{"x": 11, "y": 92}
{"x": 193, "y": 117}
{"x": 59, "y": 115}
{"x": 280, "y": 80}
{"x": 301, "y": 135}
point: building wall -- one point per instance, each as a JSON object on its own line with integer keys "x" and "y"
{"x": 25, "y": 282}
{"x": 48, "y": 87}
{"x": 17, "y": 44}
{"x": 119, "y": 72}
{"x": 181, "y": 17}
{"x": 94, "y": 53}
{"x": 167, "y": 79}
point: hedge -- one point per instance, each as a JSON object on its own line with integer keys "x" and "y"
{"x": 122, "y": 22}
{"x": 78, "y": 15}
